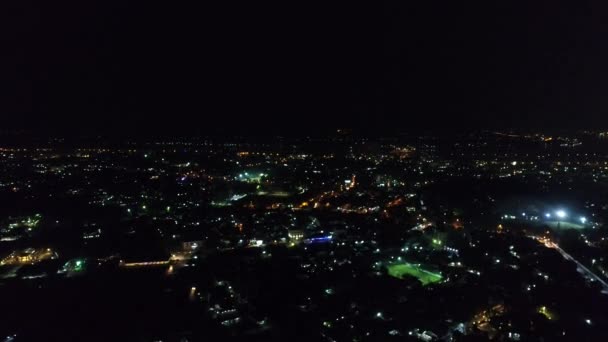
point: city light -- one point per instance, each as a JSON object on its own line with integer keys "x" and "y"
{"x": 207, "y": 247}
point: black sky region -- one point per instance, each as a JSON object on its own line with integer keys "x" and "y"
{"x": 299, "y": 66}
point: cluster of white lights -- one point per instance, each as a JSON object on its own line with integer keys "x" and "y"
{"x": 561, "y": 214}
{"x": 450, "y": 249}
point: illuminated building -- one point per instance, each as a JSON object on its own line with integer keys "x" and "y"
{"x": 296, "y": 235}
{"x": 29, "y": 256}
{"x": 144, "y": 263}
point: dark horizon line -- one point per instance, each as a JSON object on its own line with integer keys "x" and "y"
{"x": 319, "y": 132}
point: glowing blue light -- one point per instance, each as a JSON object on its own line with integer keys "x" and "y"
{"x": 320, "y": 239}
{"x": 548, "y": 215}
{"x": 583, "y": 220}
{"x": 561, "y": 214}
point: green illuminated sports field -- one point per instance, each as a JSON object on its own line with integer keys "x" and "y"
{"x": 564, "y": 225}
{"x": 424, "y": 276}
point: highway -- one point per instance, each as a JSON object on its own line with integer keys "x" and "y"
{"x": 580, "y": 267}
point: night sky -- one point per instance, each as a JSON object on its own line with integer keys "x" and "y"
{"x": 299, "y": 66}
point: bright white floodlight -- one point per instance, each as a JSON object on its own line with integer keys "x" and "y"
{"x": 561, "y": 214}
{"x": 548, "y": 215}
{"x": 583, "y": 220}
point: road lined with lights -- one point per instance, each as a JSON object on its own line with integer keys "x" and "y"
{"x": 581, "y": 267}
